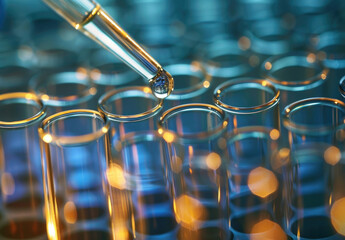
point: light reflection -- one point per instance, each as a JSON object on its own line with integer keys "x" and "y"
{"x": 311, "y": 58}
{"x": 95, "y": 74}
{"x": 268, "y": 66}
{"x": 70, "y": 212}
{"x": 188, "y": 211}
{"x": 244, "y": 43}
{"x": 213, "y": 161}
{"x": 338, "y": 216}
{"x": 274, "y": 134}
{"x": 168, "y": 137}
{"x": 262, "y": 182}
{"x": 267, "y": 229}
{"x": 115, "y": 176}
{"x": 332, "y": 155}
{"x": 7, "y": 184}
{"x": 176, "y": 164}
{"x": 52, "y": 231}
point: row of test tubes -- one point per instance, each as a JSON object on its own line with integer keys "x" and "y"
{"x": 249, "y": 145}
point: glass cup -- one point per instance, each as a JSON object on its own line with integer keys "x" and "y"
{"x": 22, "y": 198}
{"x": 74, "y": 151}
{"x": 249, "y": 102}
{"x": 195, "y": 159}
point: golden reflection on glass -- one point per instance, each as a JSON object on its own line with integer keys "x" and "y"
{"x": 338, "y": 216}
{"x": 176, "y": 164}
{"x": 262, "y": 182}
{"x": 213, "y": 161}
{"x": 267, "y": 229}
{"x": 7, "y": 184}
{"x": 70, "y": 212}
{"x": 188, "y": 211}
{"x": 332, "y": 155}
{"x": 115, "y": 176}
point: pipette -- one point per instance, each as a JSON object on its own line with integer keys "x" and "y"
{"x": 88, "y": 17}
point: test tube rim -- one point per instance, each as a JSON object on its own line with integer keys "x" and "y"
{"x": 24, "y": 97}
{"x": 309, "y": 83}
{"x": 311, "y": 130}
{"x": 73, "y": 140}
{"x": 144, "y": 91}
{"x": 246, "y": 110}
{"x": 214, "y": 133}
{"x": 56, "y": 101}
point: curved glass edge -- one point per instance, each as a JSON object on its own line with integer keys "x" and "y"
{"x": 144, "y": 92}
{"x": 56, "y": 101}
{"x": 28, "y": 98}
{"x": 49, "y": 138}
{"x": 310, "y": 130}
{"x": 209, "y": 134}
{"x": 307, "y": 59}
{"x": 246, "y": 110}
{"x": 253, "y": 132}
{"x": 187, "y": 69}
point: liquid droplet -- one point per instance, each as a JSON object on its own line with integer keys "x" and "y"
{"x": 162, "y": 84}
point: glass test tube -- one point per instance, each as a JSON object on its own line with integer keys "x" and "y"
{"x": 255, "y": 195}
{"x": 196, "y": 158}
{"x": 249, "y": 102}
{"x": 74, "y": 151}
{"x": 316, "y": 134}
{"x": 192, "y": 84}
{"x": 22, "y": 199}
{"x": 140, "y": 199}
{"x": 297, "y": 75}
{"x": 130, "y": 109}
{"x": 64, "y": 89}
{"x": 88, "y": 17}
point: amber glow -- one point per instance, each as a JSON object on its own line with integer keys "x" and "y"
{"x": 7, "y": 184}
{"x": 262, "y": 182}
{"x": 311, "y": 58}
{"x": 332, "y": 155}
{"x": 81, "y": 73}
{"x": 268, "y": 66}
{"x": 70, "y": 212}
{"x": 338, "y": 216}
{"x": 47, "y": 138}
{"x": 266, "y": 229}
{"x": 206, "y": 84}
{"x": 115, "y": 176}
{"x": 244, "y": 43}
{"x": 274, "y": 134}
{"x": 213, "y": 161}
{"x": 188, "y": 211}
{"x": 168, "y": 137}
{"x": 52, "y": 231}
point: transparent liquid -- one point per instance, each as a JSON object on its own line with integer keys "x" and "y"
{"x": 103, "y": 29}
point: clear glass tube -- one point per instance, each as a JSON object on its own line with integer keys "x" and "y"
{"x": 330, "y": 49}
{"x": 316, "y": 134}
{"x": 88, "y": 17}
{"x": 74, "y": 151}
{"x": 192, "y": 84}
{"x": 313, "y": 120}
{"x": 256, "y": 189}
{"x": 140, "y": 200}
{"x": 22, "y": 198}
{"x": 297, "y": 75}
{"x": 64, "y": 89}
{"x": 130, "y": 109}
{"x": 196, "y": 158}
{"x": 249, "y": 102}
